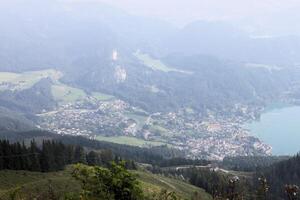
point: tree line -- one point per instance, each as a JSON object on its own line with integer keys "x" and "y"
{"x": 251, "y": 163}
{"x": 51, "y": 155}
{"x": 281, "y": 175}
{"x": 158, "y": 156}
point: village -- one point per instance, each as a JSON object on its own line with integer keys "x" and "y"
{"x": 212, "y": 137}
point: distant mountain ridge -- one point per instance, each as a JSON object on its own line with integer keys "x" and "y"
{"x": 79, "y": 39}
{"x": 141, "y": 78}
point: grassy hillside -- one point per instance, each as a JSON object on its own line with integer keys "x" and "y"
{"x": 101, "y": 96}
{"x": 154, "y": 183}
{"x": 61, "y": 92}
{"x": 129, "y": 141}
{"x": 35, "y": 184}
{"x": 64, "y": 93}
{"x": 22, "y": 81}
{"x": 154, "y": 64}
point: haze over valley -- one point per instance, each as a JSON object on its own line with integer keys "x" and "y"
{"x": 88, "y": 71}
{"x": 149, "y": 100}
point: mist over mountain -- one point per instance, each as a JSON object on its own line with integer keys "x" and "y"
{"x": 60, "y": 60}
{"x": 146, "y": 100}
{"x": 79, "y": 39}
{"x": 65, "y": 31}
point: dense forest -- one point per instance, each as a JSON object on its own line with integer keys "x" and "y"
{"x": 285, "y": 173}
{"x": 251, "y": 163}
{"x": 248, "y": 178}
{"x": 50, "y": 156}
{"x": 161, "y": 156}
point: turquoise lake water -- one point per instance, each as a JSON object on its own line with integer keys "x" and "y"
{"x": 280, "y": 128}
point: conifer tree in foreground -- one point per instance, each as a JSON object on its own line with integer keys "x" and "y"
{"x": 292, "y": 192}
{"x": 263, "y": 189}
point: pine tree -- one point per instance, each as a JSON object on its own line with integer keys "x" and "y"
{"x": 79, "y": 155}
{"x": 292, "y": 192}
{"x": 1, "y": 156}
{"x": 263, "y": 189}
{"x": 59, "y": 155}
{"x": 93, "y": 158}
{"x": 18, "y": 158}
{"x": 47, "y": 159}
{"x": 70, "y": 154}
{"x": 7, "y": 155}
{"x": 34, "y": 157}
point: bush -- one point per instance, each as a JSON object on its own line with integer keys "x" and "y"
{"x": 113, "y": 183}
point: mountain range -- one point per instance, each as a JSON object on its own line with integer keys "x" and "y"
{"x": 57, "y": 52}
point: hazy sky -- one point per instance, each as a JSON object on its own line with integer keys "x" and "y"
{"x": 205, "y": 9}
{"x": 259, "y": 15}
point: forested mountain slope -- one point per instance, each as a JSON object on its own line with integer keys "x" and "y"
{"x": 82, "y": 44}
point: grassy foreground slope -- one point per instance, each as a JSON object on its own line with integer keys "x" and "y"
{"x": 30, "y": 185}
{"x": 152, "y": 183}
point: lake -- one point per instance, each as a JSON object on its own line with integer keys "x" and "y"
{"x": 280, "y": 128}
